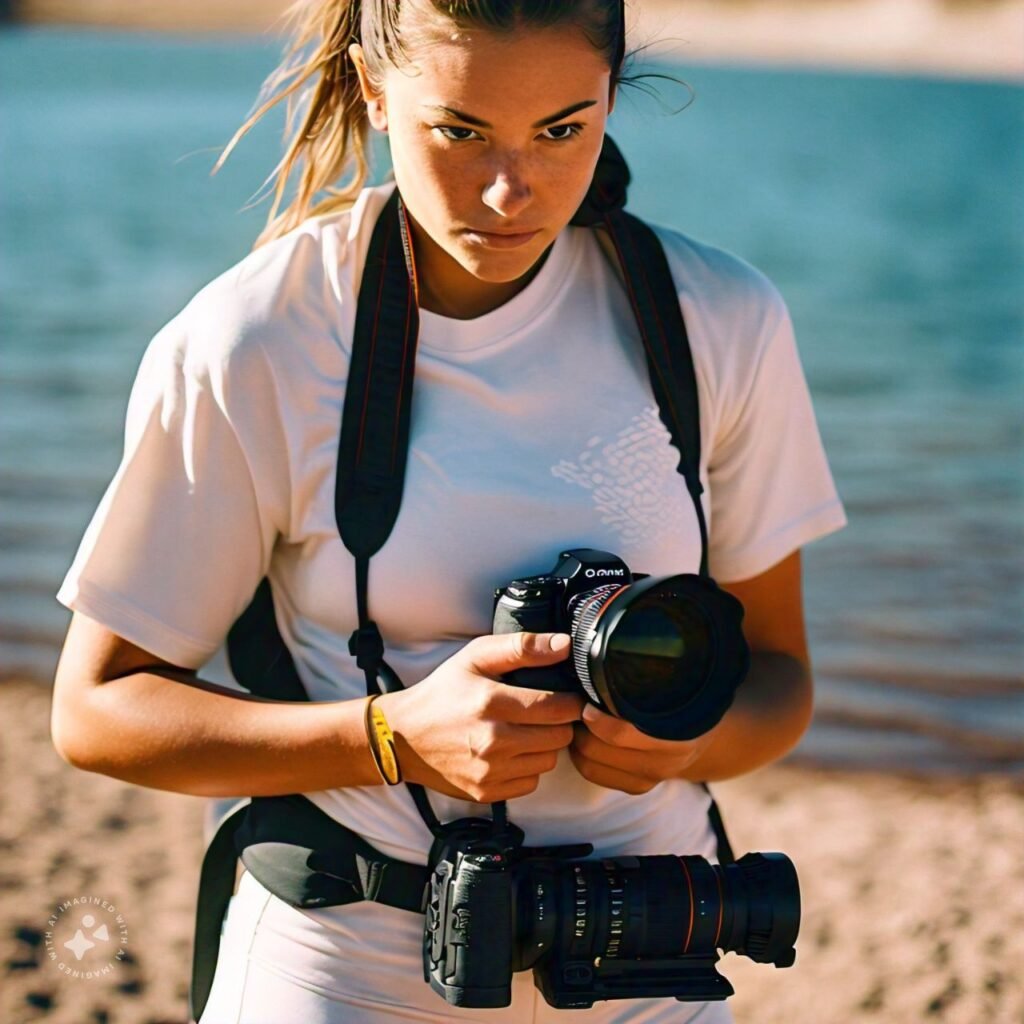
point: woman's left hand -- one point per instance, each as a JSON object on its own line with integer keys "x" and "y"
{"x": 611, "y": 752}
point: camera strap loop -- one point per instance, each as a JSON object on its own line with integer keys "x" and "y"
{"x": 367, "y": 646}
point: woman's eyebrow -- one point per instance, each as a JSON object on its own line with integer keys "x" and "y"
{"x": 478, "y": 123}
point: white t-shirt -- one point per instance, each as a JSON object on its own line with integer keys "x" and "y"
{"x": 534, "y": 429}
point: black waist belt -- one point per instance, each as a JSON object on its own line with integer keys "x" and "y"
{"x": 304, "y": 857}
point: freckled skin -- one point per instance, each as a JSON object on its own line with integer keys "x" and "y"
{"x": 510, "y": 177}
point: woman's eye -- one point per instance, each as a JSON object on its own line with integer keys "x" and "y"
{"x": 455, "y": 133}
{"x": 556, "y": 133}
{"x": 561, "y": 132}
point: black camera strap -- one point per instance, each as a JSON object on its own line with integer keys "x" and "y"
{"x": 377, "y": 412}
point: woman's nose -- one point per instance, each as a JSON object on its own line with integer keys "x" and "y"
{"x": 508, "y": 193}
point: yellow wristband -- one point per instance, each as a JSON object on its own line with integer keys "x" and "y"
{"x": 382, "y": 743}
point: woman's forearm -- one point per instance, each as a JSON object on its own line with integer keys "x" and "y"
{"x": 772, "y": 710}
{"x": 178, "y": 733}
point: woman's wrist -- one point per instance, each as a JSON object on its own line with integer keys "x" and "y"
{"x": 381, "y": 742}
{"x": 349, "y": 752}
{"x": 394, "y": 709}
{"x": 401, "y": 710}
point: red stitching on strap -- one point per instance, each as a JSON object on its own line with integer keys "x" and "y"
{"x": 401, "y": 382}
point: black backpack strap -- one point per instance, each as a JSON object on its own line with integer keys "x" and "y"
{"x": 376, "y": 417}
{"x": 259, "y": 658}
{"x": 368, "y": 493}
{"x": 216, "y": 885}
{"x": 725, "y": 853}
{"x": 304, "y": 857}
{"x": 655, "y": 301}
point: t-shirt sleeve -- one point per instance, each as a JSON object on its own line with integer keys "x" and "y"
{"x": 770, "y": 486}
{"x": 186, "y": 527}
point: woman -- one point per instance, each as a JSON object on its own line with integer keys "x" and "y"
{"x": 534, "y": 430}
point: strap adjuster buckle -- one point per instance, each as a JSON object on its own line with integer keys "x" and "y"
{"x": 367, "y": 646}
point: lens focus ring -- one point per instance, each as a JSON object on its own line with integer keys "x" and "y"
{"x": 585, "y": 615}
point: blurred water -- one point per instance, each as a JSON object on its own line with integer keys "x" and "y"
{"x": 888, "y": 210}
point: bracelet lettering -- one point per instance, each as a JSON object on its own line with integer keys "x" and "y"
{"x": 382, "y": 743}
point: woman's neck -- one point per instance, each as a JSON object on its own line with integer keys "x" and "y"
{"x": 445, "y": 287}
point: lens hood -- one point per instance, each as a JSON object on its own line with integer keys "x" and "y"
{"x": 667, "y": 653}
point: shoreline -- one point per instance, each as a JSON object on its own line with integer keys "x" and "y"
{"x": 977, "y": 40}
{"x": 904, "y": 37}
{"x": 912, "y": 889}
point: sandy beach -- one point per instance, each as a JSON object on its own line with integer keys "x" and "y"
{"x": 973, "y": 38}
{"x": 913, "y": 890}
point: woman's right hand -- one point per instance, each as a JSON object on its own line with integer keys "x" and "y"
{"x": 464, "y": 733}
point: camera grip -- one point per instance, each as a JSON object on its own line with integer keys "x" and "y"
{"x": 545, "y": 677}
{"x": 470, "y": 950}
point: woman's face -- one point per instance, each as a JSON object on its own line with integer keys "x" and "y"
{"x": 494, "y": 138}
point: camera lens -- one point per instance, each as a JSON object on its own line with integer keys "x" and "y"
{"x": 659, "y": 654}
{"x": 630, "y": 909}
{"x": 666, "y": 653}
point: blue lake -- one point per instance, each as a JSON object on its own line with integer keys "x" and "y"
{"x": 890, "y": 212}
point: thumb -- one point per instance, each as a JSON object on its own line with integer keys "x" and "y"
{"x": 494, "y": 655}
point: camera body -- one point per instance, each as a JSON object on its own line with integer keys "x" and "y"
{"x": 616, "y": 928}
{"x": 544, "y": 604}
{"x": 666, "y": 653}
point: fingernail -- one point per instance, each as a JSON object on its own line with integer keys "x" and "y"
{"x": 558, "y": 642}
{"x": 590, "y": 713}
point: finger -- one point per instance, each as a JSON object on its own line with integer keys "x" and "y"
{"x": 532, "y": 764}
{"x": 493, "y": 741}
{"x": 622, "y": 758}
{"x": 520, "y": 706}
{"x": 656, "y": 765}
{"x": 536, "y": 739}
{"x": 494, "y": 655}
{"x": 618, "y": 731}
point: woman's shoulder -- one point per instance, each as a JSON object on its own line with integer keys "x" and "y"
{"x": 291, "y": 293}
{"x": 718, "y": 281}
{"x": 734, "y": 316}
{"x": 732, "y": 310}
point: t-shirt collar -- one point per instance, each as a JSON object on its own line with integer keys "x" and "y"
{"x": 442, "y": 333}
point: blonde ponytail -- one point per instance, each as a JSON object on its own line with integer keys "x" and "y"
{"x": 318, "y": 80}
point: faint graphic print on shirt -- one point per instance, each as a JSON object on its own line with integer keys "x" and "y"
{"x": 626, "y": 475}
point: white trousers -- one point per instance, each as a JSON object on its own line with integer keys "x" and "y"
{"x": 360, "y": 964}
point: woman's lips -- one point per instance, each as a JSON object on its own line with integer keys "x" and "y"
{"x": 499, "y": 240}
